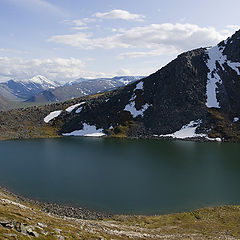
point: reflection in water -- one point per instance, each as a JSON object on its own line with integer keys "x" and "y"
{"x": 123, "y": 176}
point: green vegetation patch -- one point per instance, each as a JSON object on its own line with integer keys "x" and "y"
{"x": 223, "y": 126}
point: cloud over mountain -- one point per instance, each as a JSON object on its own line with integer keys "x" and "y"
{"x": 56, "y": 69}
{"x": 160, "y": 38}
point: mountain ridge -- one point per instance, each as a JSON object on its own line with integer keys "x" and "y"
{"x": 24, "y": 89}
{"x": 168, "y": 103}
{"x": 82, "y": 87}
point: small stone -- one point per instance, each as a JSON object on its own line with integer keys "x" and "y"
{"x": 20, "y": 227}
{"x": 31, "y": 232}
{"x": 6, "y": 224}
{"x": 44, "y": 232}
{"x": 57, "y": 230}
{"x": 42, "y": 225}
{"x": 12, "y": 235}
{"x": 35, "y": 234}
{"x": 60, "y": 237}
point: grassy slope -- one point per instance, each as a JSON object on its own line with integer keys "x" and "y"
{"x": 208, "y": 223}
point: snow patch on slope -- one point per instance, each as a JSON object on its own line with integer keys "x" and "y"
{"x": 87, "y": 131}
{"x": 71, "y": 108}
{"x": 134, "y": 112}
{"x": 236, "y": 119}
{"x": 216, "y": 55}
{"x": 131, "y": 106}
{"x": 52, "y": 115}
{"x": 139, "y": 86}
{"x": 79, "y": 110}
{"x": 187, "y": 131}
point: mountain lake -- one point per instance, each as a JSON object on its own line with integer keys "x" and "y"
{"x": 121, "y": 175}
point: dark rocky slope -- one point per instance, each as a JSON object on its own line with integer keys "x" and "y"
{"x": 200, "y": 87}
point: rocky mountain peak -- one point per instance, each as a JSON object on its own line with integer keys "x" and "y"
{"x": 24, "y": 89}
{"x": 231, "y": 47}
{"x": 223, "y": 62}
{"x": 41, "y": 80}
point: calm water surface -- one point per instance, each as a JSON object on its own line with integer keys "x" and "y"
{"x": 123, "y": 176}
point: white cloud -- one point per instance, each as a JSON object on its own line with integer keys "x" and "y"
{"x": 59, "y": 69}
{"x": 89, "y": 20}
{"x": 80, "y": 28}
{"x": 234, "y": 27}
{"x": 11, "y": 51}
{"x": 123, "y": 72}
{"x": 136, "y": 71}
{"x": 85, "y": 41}
{"x": 157, "y": 39}
{"x": 79, "y": 22}
{"x": 157, "y": 52}
{"x": 119, "y": 14}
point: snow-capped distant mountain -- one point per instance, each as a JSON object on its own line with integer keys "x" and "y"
{"x": 26, "y": 88}
{"x": 128, "y": 79}
{"x": 124, "y": 79}
{"x": 41, "y": 80}
{"x": 82, "y": 87}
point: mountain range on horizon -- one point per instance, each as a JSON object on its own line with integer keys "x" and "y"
{"x": 24, "y": 89}
{"x": 194, "y": 96}
{"x": 82, "y": 87}
{"x": 40, "y": 89}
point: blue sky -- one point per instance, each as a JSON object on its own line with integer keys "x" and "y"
{"x": 67, "y": 39}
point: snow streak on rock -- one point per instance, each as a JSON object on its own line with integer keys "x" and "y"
{"x": 71, "y": 108}
{"x": 139, "y": 86}
{"x": 134, "y": 112}
{"x": 236, "y": 119}
{"x": 216, "y": 55}
{"x": 131, "y": 106}
{"x": 52, "y": 115}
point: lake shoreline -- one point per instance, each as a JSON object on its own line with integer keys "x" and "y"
{"x": 21, "y": 218}
{"x": 70, "y": 211}
{"x": 117, "y": 176}
{"x": 195, "y": 139}
{"x": 58, "y": 209}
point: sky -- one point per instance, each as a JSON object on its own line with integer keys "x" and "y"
{"x": 68, "y": 39}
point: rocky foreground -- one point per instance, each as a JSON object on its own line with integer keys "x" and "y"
{"x": 24, "y": 219}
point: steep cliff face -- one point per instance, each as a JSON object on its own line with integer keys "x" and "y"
{"x": 194, "y": 96}
{"x": 199, "y": 87}
{"x": 159, "y": 104}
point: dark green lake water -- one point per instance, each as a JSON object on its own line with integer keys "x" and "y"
{"x": 123, "y": 176}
